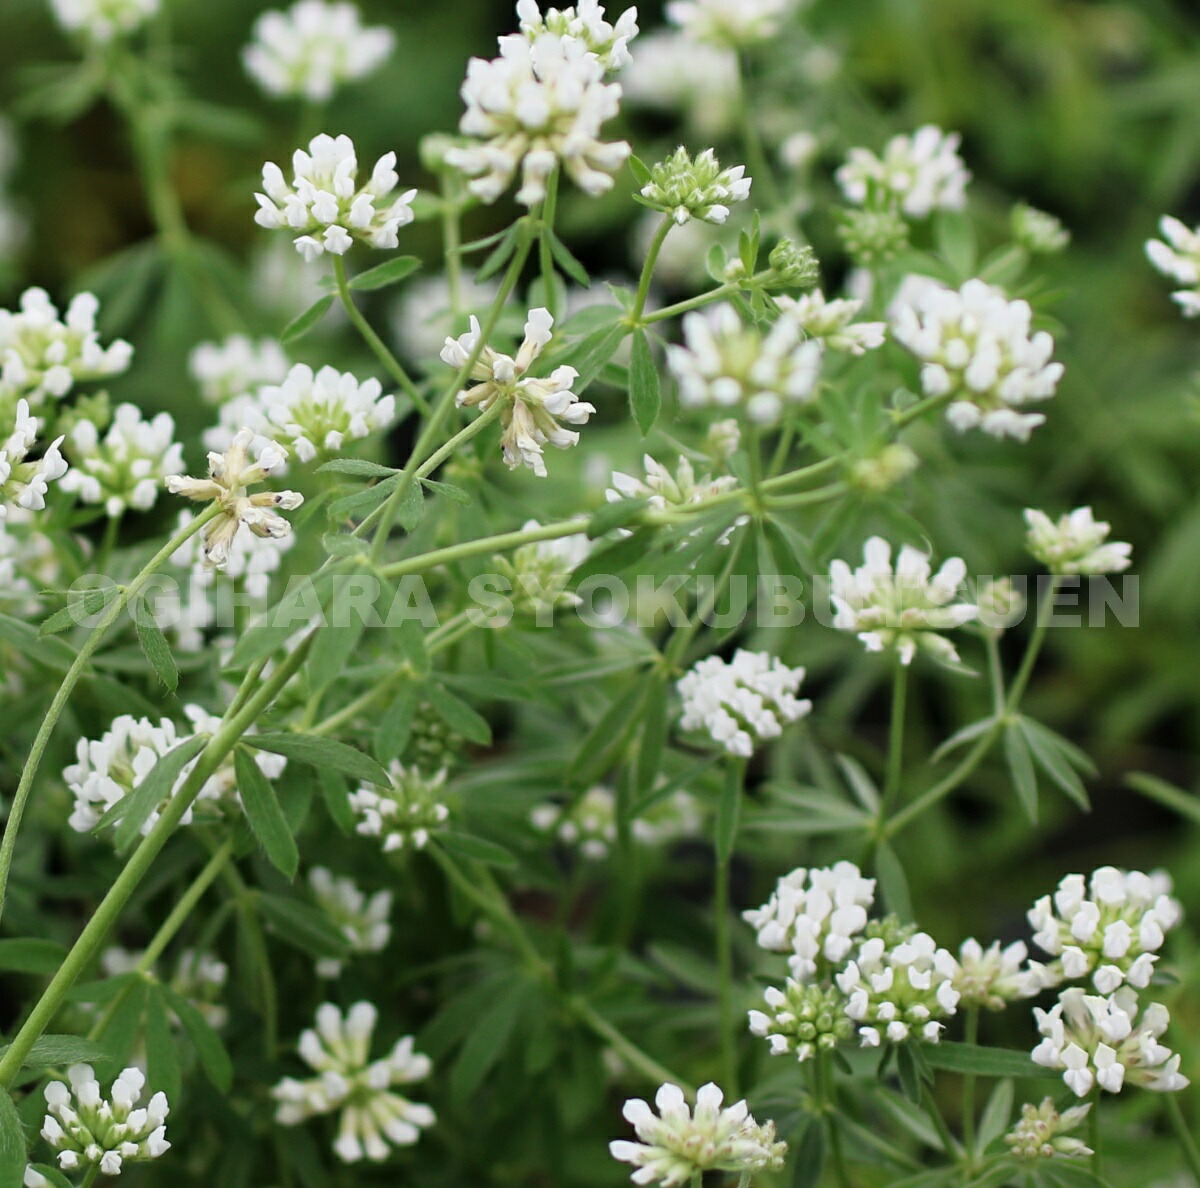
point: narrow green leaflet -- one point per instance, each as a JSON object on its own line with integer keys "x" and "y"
{"x": 302, "y": 925}
{"x": 1020, "y": 768}
{"x": 984, "y": 1062}
{"x": 162, "y": 1056}
{"x": 1053, "y": 755}
{"x": 31, "y": 956}
{"x": 487, "y": 1041}
{"x": 299, "y": 326}
{"x": 893, "y": 883}
{"x": 156, "y": 649}
{"x": 57, "y": 1051}
{"x": 322, "y": 752}
{"x": 645, "y": 396}
{"x": 1176, "y": 799}
{"x": 458, "y": 715}
{"x": 469, "y": 846}
{"x": 395, "y": 723}
{"x": 132, "y": 812}
{"x": 265, "y": 816}
{"x": 12, "y": 1143}
{"x": 356, "y": 468}
{"x": 210, "y": 1050}
{"x": 92, "y": 603}
{"x": 382, "y": 275}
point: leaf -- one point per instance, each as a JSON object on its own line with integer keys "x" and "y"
{"x": 996, "y": 1115}
{"x": 264, "y": 815}
{"x": 860, "y": 782}
{"x": 458, "y": 715}
{"x": 500, "y": 253}
{"x": 344, "y": 544}
{"x": 12, "y": 1143}
{"x": 984, "y": 1062}
{"x": 214, "y": 1059}
{"x": 645, "y": 395}
{"x": 612, "y": 515}
{"x": 162, "y": 1056}
{"x": 653, "y": 738}
{"x": 131, "y": 812}
{"x": 641, "y": 174}
{"x": 356, "y": 467}
{"x": 965, "y": 735}
{"x": 893, "y": 884}
{"x": 487, "y": 1041}
{"x": 470, "y": 846}
{"x": 390, "y": 273}
{"x": 299, "y": 326}
{"x": 363, "y": 502}
{"x": 810, "y": 1156}
{"x": 566, "y": 261}
{"x": 1049, "y": 756}
{"x": 449, "y": 490}
{"x": 336, "y": 799}
{"x": 729, "y": 811}
{"x": 49, "y": 651}
{"x": 594, "y": 352}
{"x": 31, "y": 956}
{"x": 57, "y": 1051}
{"x": 322, "y": 752}
{"x": 92, "y": 603}
{"x": 1020, "y": 768}
{"x": 156, "y": 649}
{"x": 1176, "y": 799}
{"x": 395, "y": 724}
{"x": 302, "y": 925}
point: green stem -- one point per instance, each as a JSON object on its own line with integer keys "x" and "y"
{"x": 623, "y": 1046}
{"x": 895, "y": 760}
{"x": 1094, "y": 1136}
{"x": 452, "y": 242}
{"x": 939, "y": 1124}
{"x": 825, "y": 1091}
{"x": 1044, "y": 612}
{"x": 1190, "y": 1152}
{"x": 757, "y": 164}
{"x": 92, "y": 1173}
{"x": 698, "y": 302}
{"x": 971, "y": 1035}
{"x": 643, "y": 289}
{"x": 108, "y": 541}
{"x": 38, "y": 747}
{"x": 805, "y": 498}
{"x": 545, "y": 230}
{"x": 392, "y": 365}
{"x": 727, "y": 1022}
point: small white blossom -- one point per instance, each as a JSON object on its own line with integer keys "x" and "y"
{"x": 1109, "y": 927}
{"x": 1179, "y": 259}
{"x": 88, "y": 1130}
{"x": 313, "y": 48}
{"x": 230, "y": 474}
{"x": 802, "y": 1018}
{"x": 743, "y": 701}
{"x": 320, "y": 412}
{"x": 126, "y": 467}
{"x": 1098, "y": 1040}
{"x": 236, "y": 365}
{"x": 731, "y": 24}
{"x": 725, "y": 364}
{"x": 589, "y": 823}
{"x": 902, "y": 609}
{"x": 1043, "y": 1133}
{"x": 833, "y": 322}
{"x": 995, "y": 976}
{"x": 1076, "y": 544}
{"x": 583, "y": 22}
{"x": 976, "y": 349}
{"x": 695, "y": 188}
{"x": 533, "y": 407}
{"x": 922, "y": 173}
{"x": 102, "y": 20}
{"x": 325, "y": 203}
{"x": 678, "y": 1143}
{"x": 696, "y": 81}
{"x": 404, "y": 814}
{"x": 1038, "y": 232}
{"x": 373, "y": 1117}
{"x": 537, "y": 105}
{"x": 361, "y": 919}
{"x": 662, "y": 489}
{"x": 25, "y": 483}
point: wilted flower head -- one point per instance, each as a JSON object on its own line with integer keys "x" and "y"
{"x": 102, "y": 20}
{"x": 743, "y": 701}
{"x": 994, "y": 977}
{"x": 920, "y": 173}
{"x": 1076, "y": 544}
{"x": 361, "y": 919}
{"x": 88, "y": 1130}
{"x": 803, "y": 1018}
{"x": 678, "y": 1143}
{"x": 325, "y": 203}
{"x": 1038, "y": 232}
{"x": 236, "y": 365}
{"x": 695, "y": 188}
{"x": 696, "y": 81}
{"x": 583, "y": 22}
{"x": 732, "y": 24}
{"x": 533, "y": 407}
{"x": 312, "y": 48}
{"x": 1099, "y": 1040}
{"x": 405, "y": 813}
{"x": 662, "y": 489}
{"x": 833, "y": 322}
{"x": 589, "y": 823}
{"x": 1043, "y": 1132}
{"x": 902, "y": 609}
{"x": 1179, "y": 259}
{"x": 373, "y": 1117}
{"x": 537, "y": 105}
{"x": 26, "y": 483}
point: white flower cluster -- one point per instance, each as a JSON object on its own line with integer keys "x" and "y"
{"x": 662, "y": 489}
{"x": 733, "y": 24}
{"x": 102, "y": 20}
{"x": 235, "y": 366}
{"x": 538, "y": 573}
{"x": 126, "y": 467}
{"x": 1076, "y": 544}
{"x": 373, "y": 1117}
{"x": 533, "y": 407}
{"x": 320, "y": 411}
{"x": 743, "y": 701}
{"x": 325, "y": 204}
{"x": 902, "y": 609}
{"x": 976, "y": 349}
{"x": 589, "y": 824}
{"x": 1178, "y": 258}
{"x": 1043, "y": 1133}
{"x": 725, "y": 364}
{"x": 88, "y": 1130}
{"x": 25, "y": 483}
{"x": 686, "y": 188}
{"x": 802, "y": 1018}
{"x": 1100, "y": 1040}
{"x": 833, "y": 322}
{"x": 679, "y": 1143}
{"x": 538, "y": 105}
{"x": 672, "y": 72}
{"x": 1109, "y": 927}
{"x": 920, "y": 173}
{"x": 584, "y": 22}
{"x": 405, "y": 813}
{"x": 313, "y": 48}
{"x": 1037, "y": 231}
{"x": 993, "y": 977}
{"x": 362, "y": 919}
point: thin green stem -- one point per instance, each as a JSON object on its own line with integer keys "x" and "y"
{"x": 624, "y": 1047}
{"x": 758, "y": 165}
{"x": 1045, "y": 612}
{"x": 643, "y": 289}
{"x": 92, "y": 1173}
{"x": 545, "y": 231}
{"x": 723, "y": 850}
{"x": 38, "y": 747}
{"x": 452, "y": 241}
{"x": 825, "y": 1091}
{"x": 698, "y": 302}
{"x": 939, "y": 1124}
{"x": 1186, "y": 1140}
{"x": 895, "y": 758}
{"x": 1095, "y": 1133}
{"x": 804, "y": 498}
{"x": 112, "y": 526}
{"x": 971, "y": 1035}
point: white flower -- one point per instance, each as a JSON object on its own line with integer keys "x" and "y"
{"x": 1038, "y": 232}
{"x": 87, "y": 1129}
{"x": 678, "y": 1143}
{"x": 922, "y": 172}
{"x": 725, "y": 364}
{"x": 695, "y": 188}
{"x": 325, "y": 203}
{"x": 312, "y": 48}
{"x": 816, "y": 915}
{"x": 896, "y": 992}
{"x": 976, "y": 349}
{"x": 585, "y": 23}
{"x": 533, "y": 407}
{"x": 373, "y": 1117}
{"x": 1043, "y": 1133}
{"x": 802, "y": 1018}
{"x": 743, "y": 701}
{"x": 1179, "y": 259}
{"x": 127, "y": 466}
{"x": 21, "y": 482}
{"x": 230, "y": 474}
{"x": 994, "y": 977}
{"x": 537, "y": 105}
{"x": 662, "y": 489}
{"x": 904, "y": 609}
{"x": 833, "y": 322}
{"x": 1109, "y": 927}
{"x": 405, "y": 813}
{"x": 236, "y": 365}
{"x": 699, "y": 82}
{"x": 320, "y": 412}
{"x": 102, "y": 20}
{"x": 1098, "y": 1040}
{"x": 361, "y": 919}
{"x": 41, "y": 355}
{"x": 732, "y": 24}
{"x": 589, "y": 823}
{"x": 423, "y": 318}
{"x": 1075, "y": 544}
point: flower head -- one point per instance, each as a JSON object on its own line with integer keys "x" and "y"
{"x": 373, "y": 1117}
{"x": 901, "y": 609}
{"x": 662, "y": 489}
{"x": 405, "y": 813}
{"x": 731, "y": 24}
{"x": 236, "y": 365}
{"x": 539, "y": 571}
{"x": 533, "y": 407}
{"x": 1043, "y": 1132}
{"x": 993, "y": 977}
{"x": 584, "y": 22}
{"x": 87, "y": 1129}
{"x": 22, "y": 482}
{"x": 589, "y": 823}
{"x": 678, "y": 1143}
{"x": 362, "y": 919}
{"x": 802, "y": 1018}
{"x": 313, "y": 48}
{"x": 1038, "y": 232}
{"x": 695, "y": 188}
{"x": 920, "y": 173}
{"x": 102, "y": 20}
{"x": 325, "y": 204}
{"x": 1075, "y": 544}
{"x": 833, "y": 322}
{"x": 1179, "y": 259}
